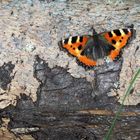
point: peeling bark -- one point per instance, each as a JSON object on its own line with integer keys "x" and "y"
{"x": 5, "y": 75}
{"x": 66, "y": 109}
{"x": 50, "y": 96}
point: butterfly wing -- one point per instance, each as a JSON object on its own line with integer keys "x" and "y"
{"x": 118, "y": 39}
{"x": 75, "y": 46}
{"x": 89, "y": 49}
{"x": 107, "y": 44}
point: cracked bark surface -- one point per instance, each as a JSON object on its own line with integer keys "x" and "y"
{"x": 62, "y": 112}
{"x": 5, "y": 77}
{"x": 44, "y": 93}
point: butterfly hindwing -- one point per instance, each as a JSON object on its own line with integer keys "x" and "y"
{"x": 97, "y": 47}
{"x": 90, "y": 49}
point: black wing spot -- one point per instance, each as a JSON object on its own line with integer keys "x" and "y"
{"x": 120, "y": 40}
{"x": 113, "y": 41}
{"x": 81, "y": 38}
{"x": 110, "y": 34}
{"x": 74, "y": 39}
{"x": 66, "y": 41}
{"x": 117, "y": 32}
{"x": 111, "y": 48}
{"x": 122, "y": 37}
{"x": 73, "y": 48}
{"x": 82, "y": 53}
{"x": 79, "y": 47}
{"x": 125, "y": 31}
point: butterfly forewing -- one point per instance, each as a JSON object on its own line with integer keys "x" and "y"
{"x": 118, "y": 38}
{"x": 74, "y": 45}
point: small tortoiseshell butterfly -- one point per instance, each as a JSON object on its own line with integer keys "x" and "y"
{"x": 90, "y": 50}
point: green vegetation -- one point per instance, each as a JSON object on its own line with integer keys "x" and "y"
{"x": 131, "y": 85}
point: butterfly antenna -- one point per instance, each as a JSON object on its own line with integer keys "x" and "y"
{"x": 130, "y": 26}
{"x": 94, "y": 31}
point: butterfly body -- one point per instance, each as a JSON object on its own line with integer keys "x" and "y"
{"x": 90, "y": 50}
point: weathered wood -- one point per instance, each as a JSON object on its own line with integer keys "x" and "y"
{"x": 53, "y": 120}
{"x": 61, "y": 125}
{"x": 55, "y": 98}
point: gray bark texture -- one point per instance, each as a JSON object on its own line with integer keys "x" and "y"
{"x": 44, "y": 93}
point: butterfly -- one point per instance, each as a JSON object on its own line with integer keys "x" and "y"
{"x": 92, "y": 50}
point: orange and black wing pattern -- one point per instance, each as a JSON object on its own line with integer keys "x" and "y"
{"x": 118, "y": 39}
{"x": 89, "y": 49}
{"x": 75, "y": 46}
